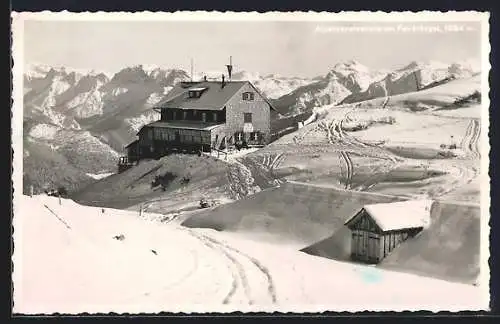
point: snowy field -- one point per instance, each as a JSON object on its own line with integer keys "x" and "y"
{"x": 70, "y": 258}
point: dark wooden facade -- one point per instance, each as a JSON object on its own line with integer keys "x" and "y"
{"x": 206, "y": 116}
{"x": 158, "y": 141}
{"x": 369, "y": 243}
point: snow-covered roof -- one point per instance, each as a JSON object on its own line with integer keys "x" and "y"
{"x": 214, "y": 97}
{"x": 399, "y": 215}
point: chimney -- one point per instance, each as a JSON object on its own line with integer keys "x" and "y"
{"x": 205, "y": 78}
{"x": 230, "y": 67}
{"x": 223, "y": 82}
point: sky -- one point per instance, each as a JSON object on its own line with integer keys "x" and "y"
{"x": 291, "y": 48}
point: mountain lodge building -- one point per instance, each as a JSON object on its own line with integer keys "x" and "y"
{"x": 203, "y": 116}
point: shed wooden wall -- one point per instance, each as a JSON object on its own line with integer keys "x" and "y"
{"x": 370, "y": 244}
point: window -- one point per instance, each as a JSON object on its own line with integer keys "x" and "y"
{"x": 195, "y": 92}
{"x": 248, "y": 95}
{"x": 184, "y": 115}
{"x": 247, "y": 117}
{"x": 255, "y": 136}
{"x": 204, "y": 116}
{"x": 214, "y": 116}
{"x": 239, "y": 136}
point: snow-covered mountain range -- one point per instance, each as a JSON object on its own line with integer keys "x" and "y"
{"x": 72, "y": 111}
{"x": 353, "y": 82}
{"x": 272, "y": 86}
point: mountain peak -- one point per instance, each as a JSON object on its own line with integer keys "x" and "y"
{"x": 350, "y": 64}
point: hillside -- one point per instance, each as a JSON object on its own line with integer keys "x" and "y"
{"x": 95, "y": 253}
{"x": 293, "y": 214}
{"x": 448, "y": 249}
{"x": 185, "y": 179}
{"x": 422, "y": 144}
{"x": 311, "y": 219}
{"x": 53, "y": 157}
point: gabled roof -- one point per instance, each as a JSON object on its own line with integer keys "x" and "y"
{"x": 398, "y": 215}
{"x": 214, "y": 97}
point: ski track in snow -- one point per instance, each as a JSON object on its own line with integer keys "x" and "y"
{"x": 470, "y": 141}
{"x": 251, "y": 281}
{"x": 241, "y": 274}
{"x": 349, "y": 168}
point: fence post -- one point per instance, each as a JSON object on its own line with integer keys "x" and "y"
{"x": 140, "y": 211}
{"x": 60, "y": 203}
{"x": 31, "y": 191}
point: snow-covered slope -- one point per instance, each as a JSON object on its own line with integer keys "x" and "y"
{"x": 415, "y": 76}
{"x": 58, "y": 157}
{"x": 108, "y": 260}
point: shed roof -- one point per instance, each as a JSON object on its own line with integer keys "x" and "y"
{"x": 214, "y": 96}
{"x": 398, "y": 215}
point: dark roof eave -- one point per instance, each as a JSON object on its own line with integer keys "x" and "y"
{"x": 192, "y": 108}
{"x": 134, "y": 142}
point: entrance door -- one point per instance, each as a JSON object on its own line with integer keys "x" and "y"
{"x": 365, "y": 246}
{"x": 373, "y": 247}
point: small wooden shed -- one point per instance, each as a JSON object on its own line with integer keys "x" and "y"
{"x": 380, "y": 228}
